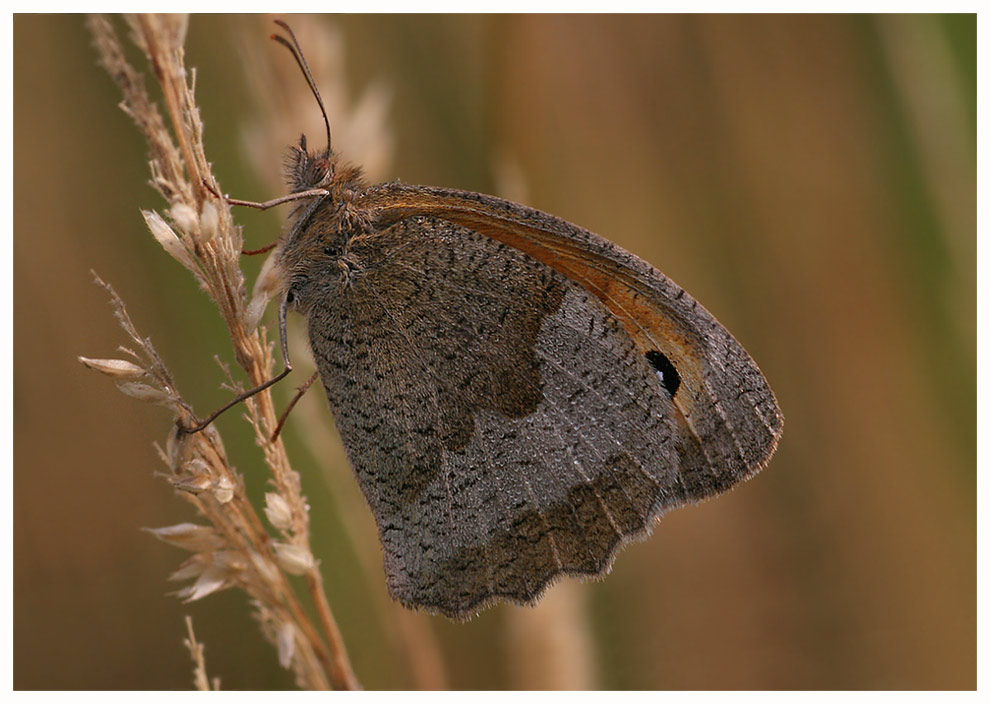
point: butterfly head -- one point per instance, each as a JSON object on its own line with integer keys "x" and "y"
{"x": 309, "y": 254}
{"x": 310, "y": 170}
{"x": 306, "y": 170}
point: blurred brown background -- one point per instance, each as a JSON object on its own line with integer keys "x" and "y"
{"x": 810, "y": 179}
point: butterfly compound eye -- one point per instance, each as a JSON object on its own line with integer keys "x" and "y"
{"x": 318, "y": 170}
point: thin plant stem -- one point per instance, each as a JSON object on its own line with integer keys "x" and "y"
{"x": 235, "y": 549}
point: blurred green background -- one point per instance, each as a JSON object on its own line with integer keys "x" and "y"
{"x": 810, "y": 179}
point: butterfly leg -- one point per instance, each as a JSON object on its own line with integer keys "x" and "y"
{"x": 282, "y": 311}
{"x": 292, "y": 404}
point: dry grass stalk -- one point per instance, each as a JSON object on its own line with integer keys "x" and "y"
{"x": 235, "y": 549}
{"x": 200, "y": 680}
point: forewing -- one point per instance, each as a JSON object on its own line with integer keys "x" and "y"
{"x": 728, "y": 420}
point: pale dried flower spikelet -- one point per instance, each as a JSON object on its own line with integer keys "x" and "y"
{"x": 115, "y": 368}
{"x": 189, "y": 536}
{"x": 294, "y": 559}
{"x": 167, "y": 238}
{"x": 209, "y": 220}
{"x": 210, "y": 578}
{"x": 143, "y": 392}
{"x": 186, "y": 218}
{"x": 286, "y": 643}
{"x": 266, "y": 286}
{"x": 196, "y": 484}
{"x": 223, "y": 490}
{"x": 231, "y": 547}
{"x": 277, "y": 511}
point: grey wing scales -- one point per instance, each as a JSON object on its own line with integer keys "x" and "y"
{"x": 503, "y": 427}
{"x": 728, "y": 419}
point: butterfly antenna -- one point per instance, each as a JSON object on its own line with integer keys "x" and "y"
{"x": 293, "y": 46}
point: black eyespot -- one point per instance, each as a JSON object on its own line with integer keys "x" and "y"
{"x": 290, "y": 296}
{"x": 669, "y": 377}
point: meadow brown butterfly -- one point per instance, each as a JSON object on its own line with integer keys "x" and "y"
{"x": 518, "y": 396}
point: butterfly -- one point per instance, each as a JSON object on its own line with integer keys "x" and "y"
{"x": 518, "y": 397}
